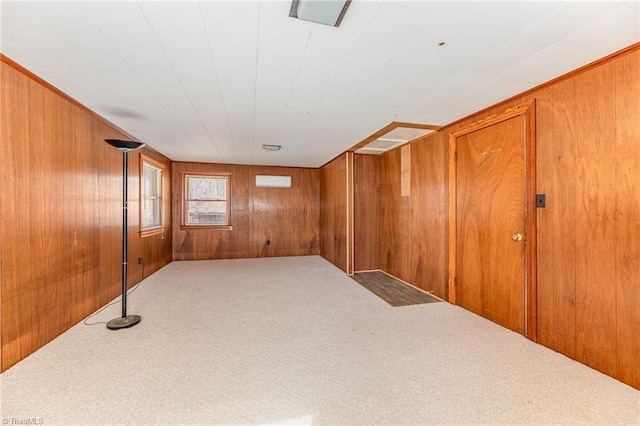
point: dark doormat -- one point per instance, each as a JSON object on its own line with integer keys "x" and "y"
{"x": 391, "y": 290}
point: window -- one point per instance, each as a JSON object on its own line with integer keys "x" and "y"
{"x": 151, "y": 188}
{"x": 206, "y": 200}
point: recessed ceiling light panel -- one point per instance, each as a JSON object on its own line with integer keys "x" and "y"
{"x": 394, "y": 138}
{"x": 327, "y": 12}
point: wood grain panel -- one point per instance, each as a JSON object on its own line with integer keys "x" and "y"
{"x": 405, "y": 170}
{"x": 339, "y": 183}
{"x": 544, "y": 142}
{"x": 333, "y": 212}
{"x": 287, "y": 217}
{"x": 39, "y": 223}
{"x": 327, "y": 216}
{"x": 556, "y": 270}
{"x": 587, "y": 165}
{"x": 366, "y": 224}
{"x": 349, "y": 208}
{"x": 395, "y": 231}
{"x": 110, "y": 214}
{"x": 412, "y": 229}
{"x": 531, "y": 224}
{"x": 133, "y": 223}
{"x": 60, "y": 204}
{"x": 86, "y": 253}
{"x": 428, "y": 214}
{"x": 199, "y": 244}
{"x": 16, "y": 325}
{"x": 156, "y": 249}
{"x": 594, "y": 219}
{"x": 627, "y": 217}
{"x": 65, "y": 272}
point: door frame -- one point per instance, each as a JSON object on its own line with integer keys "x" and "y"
{"x": 526, "y": 109}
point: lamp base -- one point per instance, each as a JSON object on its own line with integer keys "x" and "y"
{"x": 126, "y": 322}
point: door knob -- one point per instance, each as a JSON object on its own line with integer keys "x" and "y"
{"x": 516, "y": 237}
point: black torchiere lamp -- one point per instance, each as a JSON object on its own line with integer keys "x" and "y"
{"x": 126, "y": 320}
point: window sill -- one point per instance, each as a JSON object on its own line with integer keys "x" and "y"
{"x": 209, "y": 227}
{"x": 151, "y": 232}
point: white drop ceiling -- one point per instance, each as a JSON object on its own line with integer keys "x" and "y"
{"x": 213, "y": 81}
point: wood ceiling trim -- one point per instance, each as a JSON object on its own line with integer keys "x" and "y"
{"x": 388, "y": 128}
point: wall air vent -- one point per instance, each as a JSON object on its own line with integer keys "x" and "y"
{"x": 268, "y": 181}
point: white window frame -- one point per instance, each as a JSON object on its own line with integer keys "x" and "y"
{"x": 146, "y": 162}
{"x": 185, "y": 200}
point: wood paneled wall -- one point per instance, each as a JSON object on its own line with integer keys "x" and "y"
{"x": 61, "y": 214}
{"x": 288, "y": 217}
{"x": 413, "y": 228}
{"x": 588, "y": 165}
{"x": 156, "y": 249}
{"x": 366, "y": 170}
{"x": 333, "y": 212}
{"x": 588, "y": 142}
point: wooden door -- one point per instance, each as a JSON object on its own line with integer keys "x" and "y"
{"x": 490, "y": 222}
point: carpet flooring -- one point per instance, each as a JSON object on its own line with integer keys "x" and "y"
{"x": 296, "y": 341}
{"x": 392, "y": 290}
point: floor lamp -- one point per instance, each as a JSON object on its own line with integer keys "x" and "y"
{"x": 125, "y": 321}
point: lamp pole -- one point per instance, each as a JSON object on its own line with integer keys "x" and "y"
{"x": 125, "y": 321}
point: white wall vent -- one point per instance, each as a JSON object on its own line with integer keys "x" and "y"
{"x": 267, "y": 181}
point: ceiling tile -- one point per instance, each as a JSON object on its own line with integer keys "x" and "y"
{"x": 517, "y": 16}
{"x": 363, "y": 11}
{"x": 616, "y": 24}
{"x": 430, "y": 7}
{"x": 496, "y": 62}
{"x": 468, "y": 12}
{"x": 228, "y": 17}
{"x": 540, "y": 35}
{"x": 479, "y": 42}
{"x": 586, "y": 12}
{"x": 540, "y": 62}
{"x": 202, "y": 76}
{"x": 276, "y": 13}
{"x": 338, "y": 40}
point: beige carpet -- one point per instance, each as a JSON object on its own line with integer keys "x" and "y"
{"x": 294, "y": 340}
